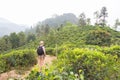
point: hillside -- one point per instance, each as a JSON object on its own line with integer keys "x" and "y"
{"x": 54, "y": 22}
{"x": 83, "y": 53}
{"x": 61, "y": 19}
{"x": 25, "y": 73}
{"x": 78, "y": 36}
{"x": 7, "y": 27}
{"x": 76, "y": 56}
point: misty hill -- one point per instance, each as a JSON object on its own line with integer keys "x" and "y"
{"x": 61, "y": 19}
{"x": 6, "y": 27}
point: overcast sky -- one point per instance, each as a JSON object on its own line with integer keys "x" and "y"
{"x": 31, "y": 11}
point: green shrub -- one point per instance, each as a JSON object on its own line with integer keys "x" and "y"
{"x": 99, "y": 37}
{"x": 115, "y": 41}
{"x": 50, "y": 51}
{"x": 3, "y": 66}
{"x": 113, "y": 50}
{"x": 57, "y": 50}
{"x": 17, "y": 59}
{"x": 95, "y": 65}
{"x": 81, "y": 64}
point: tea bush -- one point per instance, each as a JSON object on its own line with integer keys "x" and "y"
{"x": 80, "y": 64}
{"x": 17, "y": 59}
{"x": 99, "y": 37}
{"x": 113, "y": 50}
{"x": 95, "y": 65}
{"x": 50, "y": 51}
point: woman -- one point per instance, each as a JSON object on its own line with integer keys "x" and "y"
{"x": 41, "y": 54}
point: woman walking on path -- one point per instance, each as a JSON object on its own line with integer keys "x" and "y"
{"x": 41, "y": 54}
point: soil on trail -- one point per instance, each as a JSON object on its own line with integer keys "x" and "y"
{"x": 14, "y": 74}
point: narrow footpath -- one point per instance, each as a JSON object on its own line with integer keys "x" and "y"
{"x": 13, "y": 74}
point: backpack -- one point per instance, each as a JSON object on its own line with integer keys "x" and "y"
{"x": 40, "y": 50}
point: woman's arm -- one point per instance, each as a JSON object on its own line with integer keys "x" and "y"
{"x": 44, "y": 50}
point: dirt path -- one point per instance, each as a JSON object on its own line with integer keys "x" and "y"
{"x": 13, "y": 74}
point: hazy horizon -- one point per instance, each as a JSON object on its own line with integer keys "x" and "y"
{"x": 29, "y": 12}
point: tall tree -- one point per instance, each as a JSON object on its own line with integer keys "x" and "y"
{"x": 117, "y": 23}
{"x": 14, "y": 39}
{"x": 103, "y": 15}
{"x": 42, "y": 32}
{"x": 46, "y": 29}
{"x": 82, "y": 20}
{"x": 88, "y": 21}
{"x": 7, "y": 42}
{"x": 38, "y": 30}
{"x": 96, "y": 15}
{"x": 31, "y": 37}
{"x": 2, "y": 45}
{"x": 22, "y": 38}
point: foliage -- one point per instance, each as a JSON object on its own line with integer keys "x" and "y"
{"x": 100, "y": 17}
{"x": 5, "y": 44}
{"x": 58, "y": 36}
{"x": 93, "y": 35}
{"x": 67, "y": 34}
{"x": 116, "y": 24}
{"x": 80, "y": 64}
{"x": 113, "y": 50}
{"x": 2, "y": 45}
{"x": 17, "y": 59}
{"x": 14, "y": 40}
{"x": 103, "y": 15}
{"x": 57, "y": 20}
{"x": 99, "y": 37}
{"x": 82, "y": 20}
{"x": 95, "y": 65}
{"x": 50, "y": 51}
{"x": 31, "y": 37}
{"x": 22, "y": 38}
{"x": 96, "y": 60}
